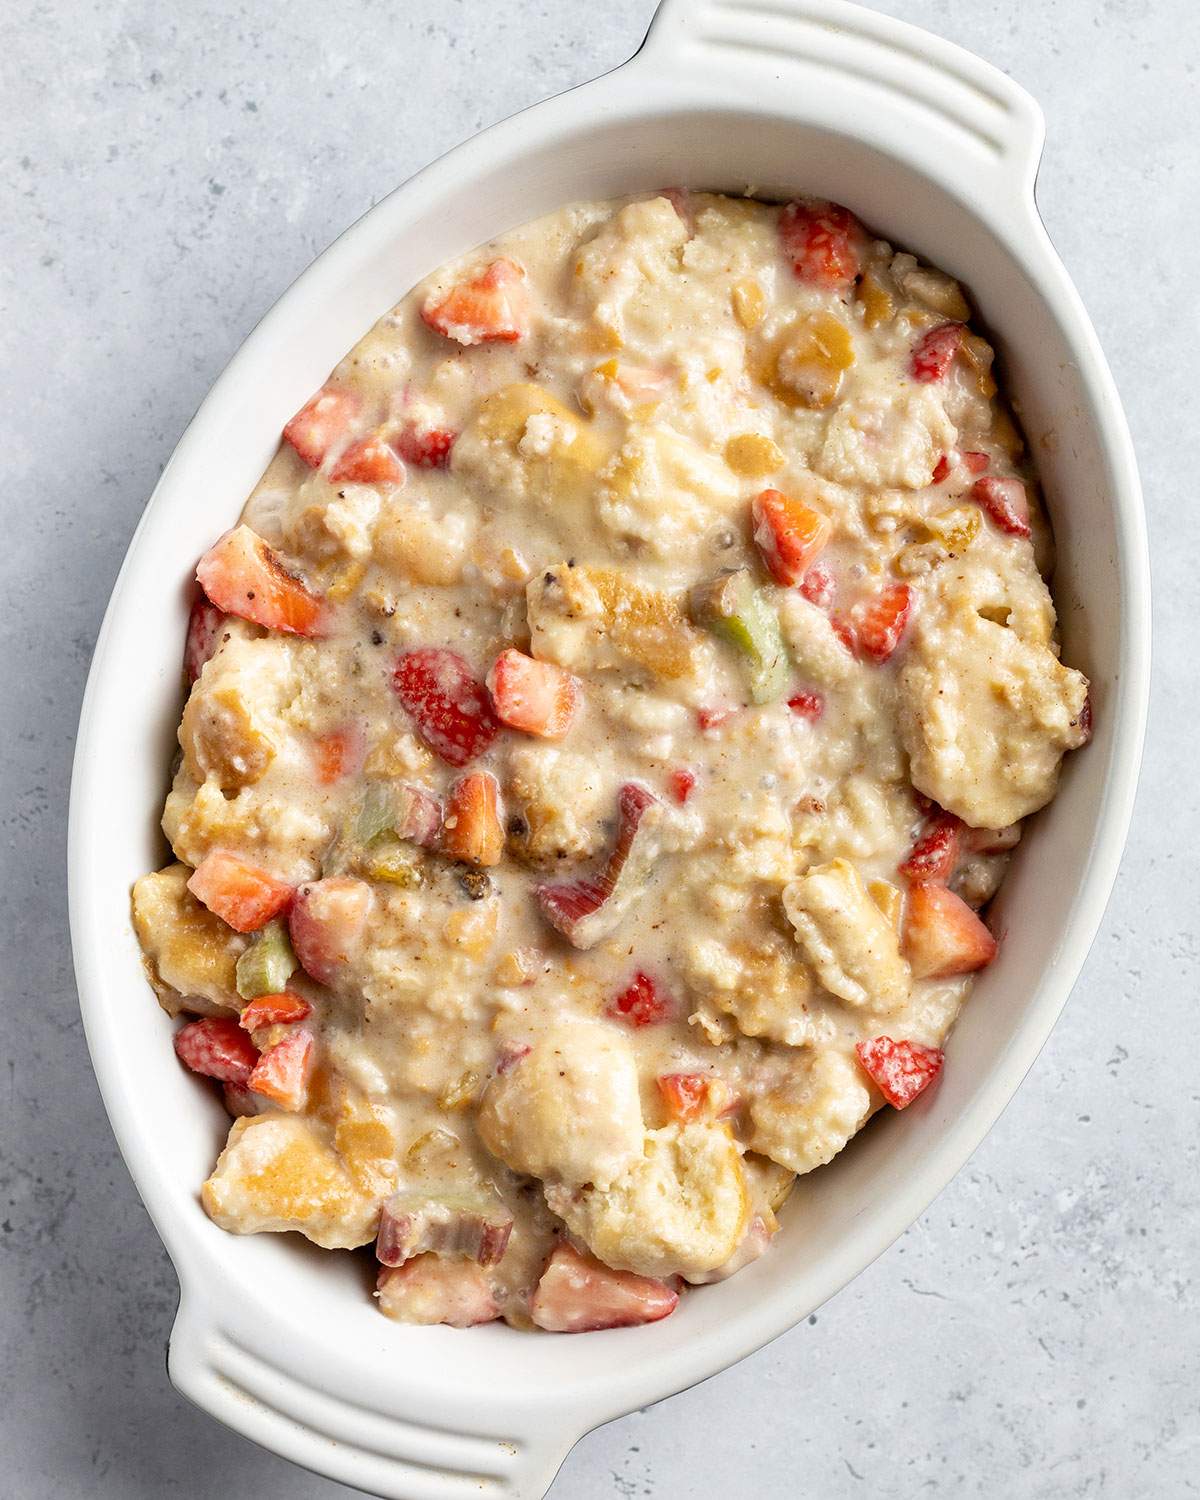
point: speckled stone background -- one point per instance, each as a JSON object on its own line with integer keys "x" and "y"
{"x": 166, "y": 169}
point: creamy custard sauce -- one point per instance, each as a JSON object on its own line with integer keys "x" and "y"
{"x": 604, "y": 730}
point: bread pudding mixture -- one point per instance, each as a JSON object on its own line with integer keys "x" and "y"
{"x": 605, "y": 726}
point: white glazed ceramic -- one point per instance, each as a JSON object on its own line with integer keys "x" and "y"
{"x": 937, "y": 151}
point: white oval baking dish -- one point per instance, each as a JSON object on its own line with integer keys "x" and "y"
{"x": 937, "y": 151}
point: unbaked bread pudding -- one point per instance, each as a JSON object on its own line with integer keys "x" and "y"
{"x": 606, "y": 726}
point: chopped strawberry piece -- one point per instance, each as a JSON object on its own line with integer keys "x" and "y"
{"x": 282, "y": 1072}
{"x": 437, "y": 1289}
{"x": 694, "y": 1096}
{"x": 807, "y": 705}
{"x": 585, "y": 911}
{"x": 241, "y": 894}
{"x": 326, "y": 923}
{"x": 368, "y": 461}
{"x": 245, "y": 577}
{"x": 842, "y": 626}
{"x": 579, "y": 1294}
{"x": 425, "y": 447}
{"x": 900, "y": 1070}
{"x": 418, "y": 815}
{"x": 283, "y": 1009}
{"x": 413, "y": 1224}
{"x": 490, "y": 307}
{"x": 817, "y": 586}
{"x": 682, "y": 783}
{"x": 217, "y": 1047}
{"x": 449, "y": 706}
{"x": 975, "y": 463}
{"x": 535, "y": 696}
{"x": 932, "y": 858}
{"x": 940, "y": 469}
{"x": 878, "y": 623}
{"x": 205, "y": 624}
{"x": 322, "y": 424}
{"x": 713, "y": 718}
{"x": 1006, "y": 503}
{"x": 789, "y": 534}
{"x": 339, "y": 753}
{"x": 473, "y": 830}
{"x": 823, "y": 241}
{"x": 943, "y": 936}
{"x": 641, "y": 1003}
{"x": 934, "y": 352}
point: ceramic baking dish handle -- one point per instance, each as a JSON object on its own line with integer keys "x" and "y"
{"x": 861, "y": 74}
{"x": 270, "y": 1400}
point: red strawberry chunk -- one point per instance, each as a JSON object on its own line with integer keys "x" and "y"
{"x": 368, "y": 461}
{"x": 641, "y": 1003}
{"x": 322, "y": 424}
{"x": 339, "y": 753}
{"x": 425, "y": 447}
{"x": 975, "y": 463}
{"x": 817, "y": 586}
{"x": 473, "y": 830}
{"x": 789, "y": 535}
{"x": 943, "y": 936}
{"x": 932, "y": 858}
{"x": 241, "y": 894}
{"x": 713, "y": 718}
{"x": 585, "y": 911}
{"x": 682, "y": 783}
{"x": 450, "y": 707}
{"x": 217, "y": 1047}
{"x": 1006, "y": 503}
{"x": 326, "y": 923}
{"x": 490, "y": 307}
{"x": 808, "y": 706}
{"x": 900, "y": 1070}
{"x": 579, "y": 1294}
{"x": 437, "y": 1289}
{"x": 537, "y": 697}
{"x": 879, "y": 623}
{"x": 205, "y": 624}
{"x": 282, "y": 1072}
{"x": 243, "y": 576}
{"x": 283, "y": 1009}
{"x": 418, "y": 815}
{"x": 823, "y": 242}
{"x": 934, "y": 352}
{"x": 940, "y": 469}
{"x": 694, "y": 1096}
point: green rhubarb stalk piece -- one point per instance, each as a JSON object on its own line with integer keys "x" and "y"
{"x": 737, "y": 611}
{"x": 265, "y": 967}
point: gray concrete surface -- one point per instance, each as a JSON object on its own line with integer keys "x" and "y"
{"x": 167, "y": 169}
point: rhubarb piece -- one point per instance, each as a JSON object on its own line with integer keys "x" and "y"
{"x": 241, "y": 894}
{"x": 368, "y": 461}
{"x": 736, "y": 611}
{"x": 284, "y": 1009}
{"x": 217, "y": 1047}
{"x": 932, "y": 858}
{"x": 823, "y": 241}
{"x": 900, "y": 1070}
{"x": 640, "y": 1003}
{"x": 491, "y": 307}
{"x": 537, "y": 697}
{"x": 789, "y": 534}
{"x": 585, "y": 911}
{"x": 943, "y": 936}
{"x": 326, "y": 923}
{"x": 243, "y": 576}
{"x": 282, "y": 1072}
{"x": 682, "y": 783}
{"x": 579, "y": 1294}
{"x": 450, "y": 708}
{"x": 267, "y": 964}
{"x": 322, "y": 424}
{"x": 205, "y": 624}
{"x": 449, "y": 1224}
{"x": 430, "y": 1289}
{"x": 473, "y": 830}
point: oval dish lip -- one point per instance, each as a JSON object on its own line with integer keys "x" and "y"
{"x": 538, "y": 1419}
